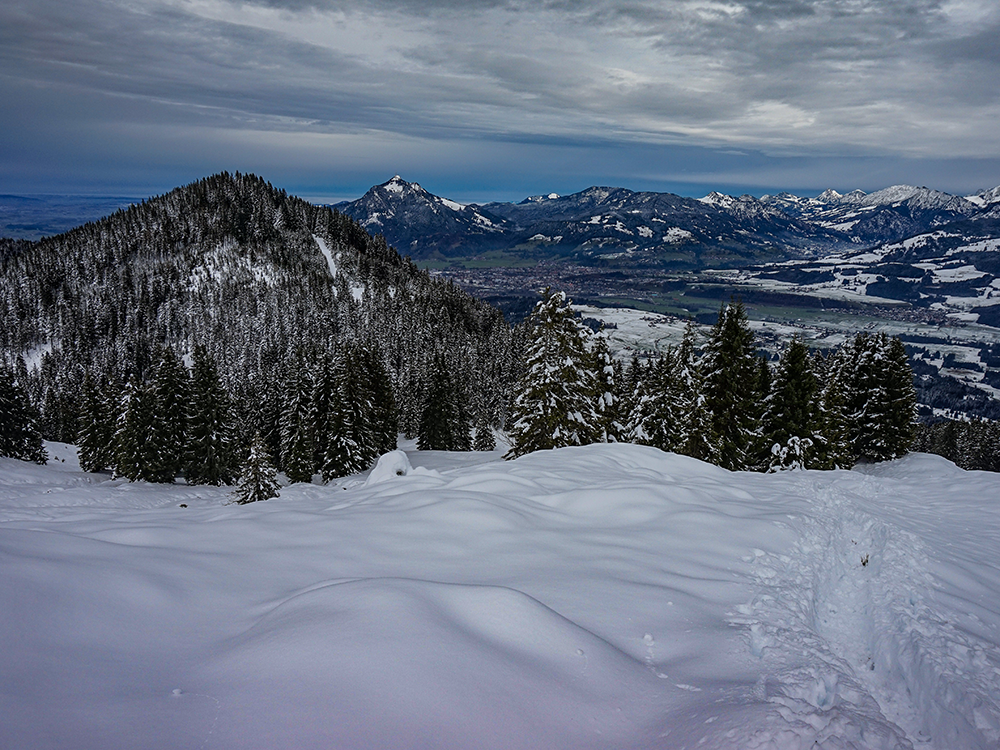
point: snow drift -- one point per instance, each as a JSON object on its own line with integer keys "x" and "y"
{"x": 610, "y": 596}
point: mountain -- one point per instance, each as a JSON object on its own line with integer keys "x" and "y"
{"x": 597, "y": 225}
{"x": 421, "y": 224}
{"x": 883, "y": 216}
{"x": 619, "y": 227}
{"x": 253, "y": 274}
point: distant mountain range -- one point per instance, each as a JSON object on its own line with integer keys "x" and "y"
{"x": 616, "y": 226}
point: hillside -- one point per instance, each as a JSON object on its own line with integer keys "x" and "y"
{"x": 610, "y": 596}
{"x": 250, "y": 272}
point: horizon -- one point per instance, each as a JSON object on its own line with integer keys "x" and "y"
{"x": 328, "y": 199}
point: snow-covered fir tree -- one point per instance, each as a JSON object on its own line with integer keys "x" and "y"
{"x": 210, "y": 458}
{"x": 902, "y": 396}
{"x": 670, "y": 411}
{"x": 19, "y": 435}
{"x": 325, "y": 397}
{"x": 880, "y": 398}
{"x": 731, "y": 388}
{"x": 136, "y": 454}
{"x": 383, "y": 416}
{"x": 258, "y": 480}
{"x": 833, "y": 448}
{"x": 96, "y": 427}
{"x": 297, "y": 437}
{"x": 695, "y": 436}
{"x": 360, "y": 423}
{"x": 613, "y": 422}
{"x": 656, "y": 415}
{"x": 170, "y": 390}
{"x": 485, "y": 439}
{"x": 791, "y": 418}
{"x": 554, "y": 406}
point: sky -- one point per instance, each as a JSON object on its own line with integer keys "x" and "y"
{"x": 483, "y": 100}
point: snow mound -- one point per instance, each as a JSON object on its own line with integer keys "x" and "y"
{"x": 390, "y": 465}
{"x": 489, "y": 664}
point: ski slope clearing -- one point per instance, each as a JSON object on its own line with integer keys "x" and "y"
{"x": 610, "y": 596}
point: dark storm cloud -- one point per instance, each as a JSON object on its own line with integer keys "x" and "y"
{"x": 300, "y": 82}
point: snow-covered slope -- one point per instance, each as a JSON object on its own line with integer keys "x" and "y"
{"x": 611, "y": 596}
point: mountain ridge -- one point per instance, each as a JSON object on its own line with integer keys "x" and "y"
{"x": 604, "y": 224}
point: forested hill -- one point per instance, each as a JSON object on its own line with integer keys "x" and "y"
{"x": 258, "y": 277}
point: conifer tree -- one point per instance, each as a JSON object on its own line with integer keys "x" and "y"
{"x": 170, "y": 389}
{"x": 19, "y": 435}
{"x": 210, "y": 452}
{"x": 695, "y": 435}
{"x": 443, "y": 425}
{"x": 554, "y": 406}
{"x": 833, "y": 448}
{"x": 731, "y": 386}
{"x": 136, "y": 456}
{"x": 342, "y": 456}
{"x": 867, "y": 399}
{"x": 485, "y": 439}
{"x": 359, "y": 408}
{"x": 657, "y": 414}
{"x": 297, "y": 454}
{"x": 95, "y": 432}
{"x": 325, "y": 394}
{"x": 791, "y": 419}
{"x": 901, "y": 395}
{"x": 258, "y": 480}
{"x": 383, "y": 417}
{"x": 608, "y": 402}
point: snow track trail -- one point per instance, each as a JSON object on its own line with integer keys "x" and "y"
{"x": 858, "y": 651}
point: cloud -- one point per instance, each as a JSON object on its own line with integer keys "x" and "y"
{"x": 810, "y": 79}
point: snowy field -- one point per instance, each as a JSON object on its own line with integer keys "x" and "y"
{"x": 598, "y": 597}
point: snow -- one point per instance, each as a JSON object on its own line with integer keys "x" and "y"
{"x": 610, "y": 596}
{"x": 959, "y": 273}
{"x": 635, "y": 330}
{"x": 33, "y": 357}
{"x": 452, "y": 204}
{"x": 676, "y": 234}
{"x": 331, "y": 263}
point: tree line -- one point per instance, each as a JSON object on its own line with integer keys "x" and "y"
{"x": 719, "y": 401}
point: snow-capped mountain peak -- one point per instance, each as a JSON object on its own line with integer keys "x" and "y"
{"x": 719, "y": 200}
{"x": 414, "y": 219}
